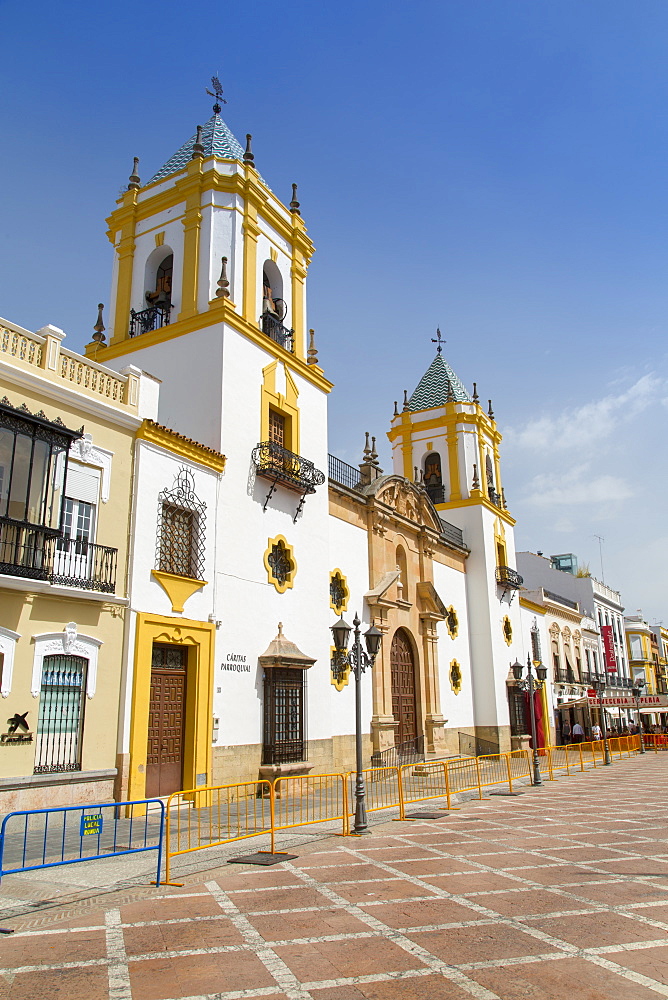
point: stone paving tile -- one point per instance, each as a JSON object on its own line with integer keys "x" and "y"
{"x": 526, "y": 901}
{"x": 171, "y": 908}
{"x": 181, "y": 937}
{"x": 485, "y": 941}
{"x": 622, "y": 892}
{"x": 556, "y": 874}
{"x": 91, "y": 983}
{"x": 422, "y": 913}
{"x": 349, "y": 873}
{"x": 309, "y": 923}
{"x": 477, "y": 881}
{"x": 651, "y": 962}
{"x": 259, "y": 879}
{"x": 276, "y": 899}
{"x": 193, "y": 975}
{"x": 335, "y": 959}
{"x": 51, "y": 949}
{"x": 560, "y": 980}
{"x": 364, "y": 892}
{"x": 597, "y": 929}
{"x": 433, "y": 866}
{"x": 431, "y": 987}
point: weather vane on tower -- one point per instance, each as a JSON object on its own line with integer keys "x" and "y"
{"x": 438, "y": 340}
{"x": 218, "y": 88}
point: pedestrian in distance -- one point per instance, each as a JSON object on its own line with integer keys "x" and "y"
{"x": 596, "y": 731}
{"x": 565, "y": 733}
{"x": 578, "y": 733}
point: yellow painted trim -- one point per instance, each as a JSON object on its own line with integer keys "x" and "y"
{"x": 478, "y": 500}
{"x": 530, "y": 606}
{"x": 178, "y": 588}
{"x": 507, "y": 629}
{"x": 251, "y": 231}
{"x": 407, "y": 444}
{"x": 453, "y": 465}
{"x": 198, "y": 637}
{"x": 343, "y": 682}
{"x": 179, "y": 445}
{"x": 452, "y": 622}
{"x": 298, "y": 277}
{"x": 192, "y": 223}
{"x": 283, "y": 404}
{"x": 455, "y": 676}
{"x": 343, "y": 606}
{"x": 289, "y": 582}
{"x": 220, "y": 311}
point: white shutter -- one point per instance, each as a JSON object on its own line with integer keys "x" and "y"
{"x": 83, "y": 483}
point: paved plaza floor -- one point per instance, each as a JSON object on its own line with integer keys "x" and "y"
{"x": 560, "y": 892}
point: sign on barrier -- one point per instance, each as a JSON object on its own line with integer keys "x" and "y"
{"x": 66, "y": 835}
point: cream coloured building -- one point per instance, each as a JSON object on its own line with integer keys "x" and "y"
{"x": 67, "y": 427}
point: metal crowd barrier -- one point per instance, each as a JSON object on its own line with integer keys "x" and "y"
{"x": 306, "y": 799}
{"x": 67, "y": 835}
{"x": 216, "y": 815}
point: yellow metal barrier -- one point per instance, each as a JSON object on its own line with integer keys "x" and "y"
{"x": 420, "y": 782}
{"x": 495, "y": 769}
{"x": 208, "y": 817}
{"x": 464, "y": 776}
{"x": 310, "y": 798}
{"x": 384, "y": 790}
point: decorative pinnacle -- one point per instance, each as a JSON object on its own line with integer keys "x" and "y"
{"x": 217, "y": 87}
{"x": 490, "y": 411}
{"x": 450, "y": 393}
{"x": 396, "y": 409}
{"x": 405, "y": 399}
{"x": 198, "y": 148}
{"x": 135, "y": 183}
{"x": 476, "y": 398}
{"x": 294, "y": 204}
{"x": 312, "y": 352}
{"x": 475, "y": 485}
{"x": 374, "y": 454}
{"x": 98, "y": 336}
{"x": 248, "y": 155}
{"x": 367, "y": 449}
{"x": 438, "y": 340}
{"x": 223, "y": 290}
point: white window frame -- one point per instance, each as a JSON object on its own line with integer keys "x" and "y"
{"x": 69, "y": 642}
{"x": 8, "y": 640}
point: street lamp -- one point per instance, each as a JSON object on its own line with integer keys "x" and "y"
{"x": 358, "y": 661}
{"x": 636, "y": 691}
{"x": 599, "y": 687}
{"x": 528, "y": 685}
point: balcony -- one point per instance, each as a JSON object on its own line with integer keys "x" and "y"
{"x": 280, "y": 466}
{"x": 274, "y": 329}
{"x": 508, "y": 577}
{"x": 149, "y": 319}
{"x": 567, "y": 676}
{"x": 436, "y": 493}
{"x": 37, "y": 554}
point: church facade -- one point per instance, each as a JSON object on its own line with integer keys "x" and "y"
{"x": 209, "y": 297}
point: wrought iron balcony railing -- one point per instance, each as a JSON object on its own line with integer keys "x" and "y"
{"x": 282, "y": 466}
{"x": 274, "y": 329}
{"x": 436, "y": 493}
{"x": 36, "y": 554}
{"x": 509, "y": 577}
{"x": 149, "y": 319}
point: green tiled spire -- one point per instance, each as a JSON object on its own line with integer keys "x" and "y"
{"x": 217, "y": 141}
{"x": 438, "y": 385}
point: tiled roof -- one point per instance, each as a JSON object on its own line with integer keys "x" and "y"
{"x": 438, "y": 384}
{"x": 217, "y": 141}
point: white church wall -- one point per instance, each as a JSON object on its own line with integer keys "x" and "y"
{"x": 457, "y": 709}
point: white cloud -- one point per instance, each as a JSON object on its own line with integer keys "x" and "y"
{"x": 582, "y": 426}
{"x": 579, "y": 485}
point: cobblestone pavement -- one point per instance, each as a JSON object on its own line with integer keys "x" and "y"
{"x": 560, "y": 892}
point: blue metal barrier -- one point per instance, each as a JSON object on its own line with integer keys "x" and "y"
{"x": 66, "y": 835}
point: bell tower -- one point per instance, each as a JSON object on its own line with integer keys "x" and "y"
{"x": 444, "y": 440}
{"x": 207, "y": 259}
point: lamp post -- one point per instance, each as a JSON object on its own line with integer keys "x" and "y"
{"x": 636, "y": 691}
{"x": 358, "y": 660}
{"x": 528, "y": 685}
{"x": 599, "y": 687}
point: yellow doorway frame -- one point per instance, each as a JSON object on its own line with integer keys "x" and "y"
{"x": 198, "y": 639}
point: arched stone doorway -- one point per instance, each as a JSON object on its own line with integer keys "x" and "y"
{"x": 404, "y": 699}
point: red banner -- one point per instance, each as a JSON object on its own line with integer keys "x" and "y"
{"x": 609, "y": 647}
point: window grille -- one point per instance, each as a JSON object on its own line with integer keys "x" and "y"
{"x": 181, "y": 521}
{"x": 517, "y": 708}
{"x": 61, "y": 713}
{"x": 280, "y": 562}
{"x": 284, "y": 716}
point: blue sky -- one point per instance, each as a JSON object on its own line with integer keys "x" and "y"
{"x": 495, "y": 167}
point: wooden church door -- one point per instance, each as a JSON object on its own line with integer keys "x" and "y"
{"x": 404, "y": 704}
